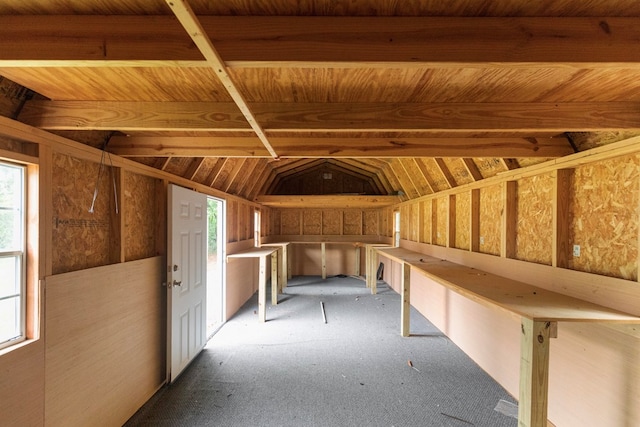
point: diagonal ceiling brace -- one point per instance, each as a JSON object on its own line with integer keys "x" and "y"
{"x": 189, "y": 21}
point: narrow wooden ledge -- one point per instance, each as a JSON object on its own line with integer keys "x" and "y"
{"x": 328, "y": 201}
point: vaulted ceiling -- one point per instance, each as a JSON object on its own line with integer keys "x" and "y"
{"x": 410, "y": 97}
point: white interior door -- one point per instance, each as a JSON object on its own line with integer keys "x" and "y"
{"x": 186, "y": 278}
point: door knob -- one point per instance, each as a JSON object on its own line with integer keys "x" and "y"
{"x": 177, "y": 283}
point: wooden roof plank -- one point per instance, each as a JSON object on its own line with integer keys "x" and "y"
{"x": 444, "y": 170}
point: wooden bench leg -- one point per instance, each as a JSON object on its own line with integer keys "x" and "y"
{"x": 323, "y": 249}
{"x": 274, "y": 278}
{"x": 262, "y": 290}
{"x": 534, "y": 372}
{"x": 406, "y": 299}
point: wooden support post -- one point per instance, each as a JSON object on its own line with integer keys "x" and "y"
{"x": 116, "y": 216}
{"x": 374, "y": 271}
{"x": 509, "y": 219}
{"x": 357, "y": 269}
{"x": 368, "y": 253}
{"x": 324, "y": 260}
{"x": 561, "y": 201}
{"x": 451, "y": 222}
{"x": 475, "y": 220}
{"x": 534, "y": 372}
{"x": 287, "y": 259}
{"x": 405, "y": 309}
{"x": 262, "y": 290}
{"x": 274, "y": 278}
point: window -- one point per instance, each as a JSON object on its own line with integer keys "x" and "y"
{"x": 12, "y": 254}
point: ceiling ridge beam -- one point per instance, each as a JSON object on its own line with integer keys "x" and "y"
{"x": 190, "y": 22}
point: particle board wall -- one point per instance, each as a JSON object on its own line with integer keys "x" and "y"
{"x": 327, "y": 222}
{"x": 81, "y": 239}
{"x": 463, "y": 220}
{"x": 535, "y": 219}
{"x": 331, "y": 223}
{"x": 141, "y": 221}
{"x": 442, "y": 217}
{"x": 105, "y": 352}
{"x": 604, "y": 210}
{"x": 491, "y": 208}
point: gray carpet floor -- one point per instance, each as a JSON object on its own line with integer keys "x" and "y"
{"x": 354, "y": 370}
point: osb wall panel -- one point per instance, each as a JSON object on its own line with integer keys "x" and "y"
{"x": 442, "y": 212}
{"x": 386, "y": 222}
{"x": 232, "y": 221}
{"x": 352, "y": 222}
{"x": 414, "y": 222}
{"x": 463, "y": 223}
{"x": 425, "y": 207}
{"x": 312, "y": 221}
{"x": 275, "y": 221}
{"x": 605, "y": 217}
{"x": 246, "y": 221}
{"x": 290, "y": 222}
{"x": 331, "y": 222}
{"x": 490, "y": 223}
{"x": 80, "y": 239}
{"x": 371, "y": 223}
{"x": 404, "y": 222}
{"x": 140, "y": 216}
{"x": 534, "y": 228}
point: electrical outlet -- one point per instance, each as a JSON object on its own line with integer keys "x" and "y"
{"x": 576, "y": 251}
{"x": 482, "y": 240}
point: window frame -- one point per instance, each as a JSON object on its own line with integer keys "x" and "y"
{"x": 21, "y": 254}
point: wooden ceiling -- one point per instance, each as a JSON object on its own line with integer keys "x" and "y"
{"x": 413, "y": 97}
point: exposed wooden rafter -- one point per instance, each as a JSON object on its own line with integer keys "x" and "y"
{"x": 199, "y": 36}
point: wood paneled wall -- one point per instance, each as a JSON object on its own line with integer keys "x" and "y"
{"x": 105, "y": 347}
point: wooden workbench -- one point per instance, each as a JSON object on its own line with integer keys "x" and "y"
{"x": 539, "y": 311}
{"x": 323, "y": 252}
{"x": 262, "y": 253}
{"x": 283, "y": 260}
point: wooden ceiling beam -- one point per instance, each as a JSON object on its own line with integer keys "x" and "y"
{"x": 454, "y": 118}
{"x": 303, "y": 41}
{"x": 327, "y": 201}
{"x": 194, "y": 167}
{"x": 319, "y": 147}
{"x": 190, "y": 22}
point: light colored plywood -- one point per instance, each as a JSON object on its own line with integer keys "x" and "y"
{"x": 331, "y": 222}
{"x": 535, "y": 219}
{"x": 312, "y": 221}
{"x": 104, "y": 347}
{"x": 490, "y": 215}
{"x": 605, "y": 217}
{"x": 414, "y": 222}
{"x": 425, "y": 225}
{"x": 290, "y": 222}
{"x": 463, "y": 225}
{"x": 443, "y": 221}
{"x": 352, "y": 222}
{"x": 140, "y": 216}
{"x": 80, "y": 238}
{"x": 371, "y": 226}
